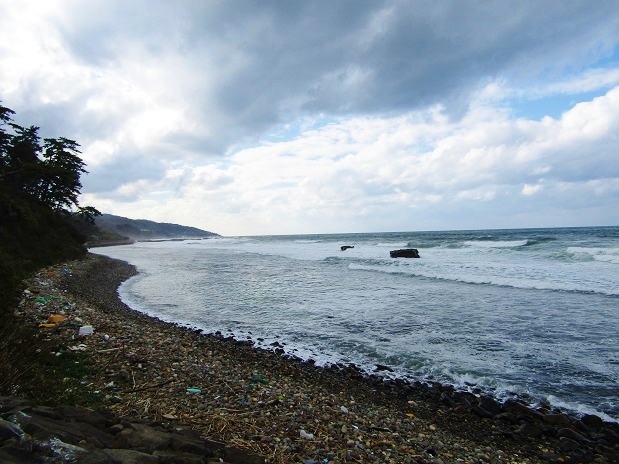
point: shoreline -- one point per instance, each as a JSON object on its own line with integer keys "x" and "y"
{"x": 288, "y": 410}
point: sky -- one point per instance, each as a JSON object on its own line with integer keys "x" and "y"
{"x": 295, "y": 116}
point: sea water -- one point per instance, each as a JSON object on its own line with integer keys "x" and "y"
{"x": 531, "y": 312}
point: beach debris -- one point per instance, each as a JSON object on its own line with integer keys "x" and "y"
{"x": 80, "y": 347}
{"x": 258, "y": 379}
{"x": 307, "y": 436}
{"x": 47, "y": 326}
{"x": 43, "y": 300}
{"x": 194, "y": 390}
{"x": 344, "y": 409}
{"x": 85, "y": 330}
{"x": 56, "y": 318}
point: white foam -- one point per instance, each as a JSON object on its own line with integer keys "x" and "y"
{"x": 496, "y": 244}
{"x": 608, "y": 255}
{"x": 578, "y": 408}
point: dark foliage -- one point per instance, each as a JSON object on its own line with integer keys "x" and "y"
{"x": 41, "y": 223}
{"x": 39, "y": 187}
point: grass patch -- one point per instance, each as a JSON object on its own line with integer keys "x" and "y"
{"x": 32, "y": 369}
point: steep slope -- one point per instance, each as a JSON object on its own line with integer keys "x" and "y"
{"x": 142, "y": 229}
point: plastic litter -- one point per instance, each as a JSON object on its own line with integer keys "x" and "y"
{"x": 258, "y": 379}
{"x": 56, "y": 318}
{"x": 42, "y": 300}
{"x": 304, "y": 434}
{"x": 85, "y": 330}
{"x": 80, "y": 347}
{"x": 344, "y": 409}
{"x": 194, "y": 390}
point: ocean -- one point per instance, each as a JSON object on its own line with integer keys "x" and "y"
{"x": 528, "y": 312}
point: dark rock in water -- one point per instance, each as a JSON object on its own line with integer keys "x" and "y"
{"x": 405, "y": 253}
{"x": 346, "y": 247}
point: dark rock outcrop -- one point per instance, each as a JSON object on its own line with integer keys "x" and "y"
{"x": 346, "y": 247}
{"x": 405, "y": 253}
{"x": 38, "y": 434}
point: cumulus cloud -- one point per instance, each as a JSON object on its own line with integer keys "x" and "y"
{"x": 389, "y": 173}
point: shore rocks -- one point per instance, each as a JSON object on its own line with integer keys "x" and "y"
{"x": 31, "y": 433}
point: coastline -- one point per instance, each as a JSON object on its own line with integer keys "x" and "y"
{"x": 287, "y": 410}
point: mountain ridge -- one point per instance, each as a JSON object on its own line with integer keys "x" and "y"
{"x": 144, "y": 229}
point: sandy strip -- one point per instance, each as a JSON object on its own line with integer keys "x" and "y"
{"x": 277, "y": 406}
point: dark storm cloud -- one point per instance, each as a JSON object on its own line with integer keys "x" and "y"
{"x": 271, "y": 61}
{"x": 70, "y": 119}
{"x": 131, "y": 167}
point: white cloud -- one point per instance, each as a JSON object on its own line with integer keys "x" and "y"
{"x": 530, "y": 190}
{"x": 358, "y": 172}
{"x": 380, "y": 116}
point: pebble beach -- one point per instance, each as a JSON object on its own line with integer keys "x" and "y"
{"x": 278, "y": 408}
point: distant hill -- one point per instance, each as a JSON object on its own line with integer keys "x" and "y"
{"x": 142, "y": 229}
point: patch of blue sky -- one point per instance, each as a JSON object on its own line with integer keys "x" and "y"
{"x": 293, "y": 130}
{"x": 553, "y": 105}
{"x": 608, "y": 60}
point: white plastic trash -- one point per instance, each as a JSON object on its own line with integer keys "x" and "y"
{"x": 84, "y": 331}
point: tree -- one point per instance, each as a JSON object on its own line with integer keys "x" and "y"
{"x": 49, "y": 173}
{"x": 39, "y": 190}
{"x": 59, "y": 185}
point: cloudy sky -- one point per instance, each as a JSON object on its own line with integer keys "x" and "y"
{"x": 281, "y": 117}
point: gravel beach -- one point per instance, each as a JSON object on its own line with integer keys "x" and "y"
{"x": 280, "y": 408}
